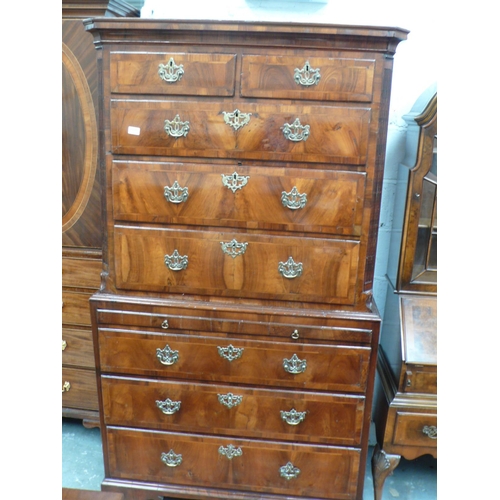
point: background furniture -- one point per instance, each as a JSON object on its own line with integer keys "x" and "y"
{"x": 235, "y": 332}
{"x": 81, "y": 204}
{"x": 405, "y": 412}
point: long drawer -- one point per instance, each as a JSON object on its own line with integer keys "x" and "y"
{"x": 78, "y": 348}
{"x": 247, "y": 197}
{"x": 79, "y": 389}
{"x": 233, "y": 410}
{"x": 236, "y": 360}
{"x": 233, "y": 463}
{"x": 75, "y": 308}
{"x": 302, "y": 133}
{"x": 235, "y": 264}
{"x": 415, "y": 428}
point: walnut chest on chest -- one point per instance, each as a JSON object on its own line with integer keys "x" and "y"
{"x": 235, "y": 334}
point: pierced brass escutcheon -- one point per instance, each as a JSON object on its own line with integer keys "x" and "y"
{"x": 289, "y": 471}
{"x": 170, "y": 72}
{"x": 293, "y": 200}
{"x": 307, "y": 76}
{"x": 171, "y": 459}
{"x": 234, "y": 181}
{"x": 294, "y": 365}
{"x": 290, "y": 269}
{"x": 168, "y": 407}
{"x": 230, "y": 451}
{"x": 430, "y": 431}
{"x": 233, "y": 248}
{"x": 295, "y": 131}
{"x": 176, "y": 193}
{"x": 176, "y": 127}
{"x": 293, "y": 417}
{"x": 236, "y": 119}
{"x": 66, "y": 386}
{"x": 230, "y": 352}
{"x": 176, "y": 262}
{"x": 229, "y": 400}
{"x": 167, "y": 356}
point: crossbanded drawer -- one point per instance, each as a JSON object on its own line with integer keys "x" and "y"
{"x": 414, "y": 428}
{"x": 303, "y": 77}
{"x": 233, "y": 410}
{"x": 81, "y": 273}
{"x": 262, "y": 466}
{"x": 247, "y": 197}
{"x": 235, "y": 264}
{"x": 198, "y": 129}
{"x": 420, "y": 379}
{"x": 78, "y": 348}
{"x": 172, "y": 73}
{"x": 236, "y": 360}
{"x": 75, "y": 308}
{"x": 79, "y": 389}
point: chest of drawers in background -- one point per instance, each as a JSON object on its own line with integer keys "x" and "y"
{"x": 235, "y": 335}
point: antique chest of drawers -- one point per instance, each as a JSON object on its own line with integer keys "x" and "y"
{"x": 235, "y": 335}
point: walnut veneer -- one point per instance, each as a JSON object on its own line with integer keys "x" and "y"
{"x": 235, "y": 335}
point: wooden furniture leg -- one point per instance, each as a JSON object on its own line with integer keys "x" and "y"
{"x": 383, "y": 465}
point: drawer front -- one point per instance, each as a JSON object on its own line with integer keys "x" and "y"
{"x": 420, "y": 379}
{"x": 303, "y": 77}
{"x": 235, "y": 360}
{"x": 236, "y": 264}
{"x": 79, "y": 389}
{"x": 225, "y": 409}
{"x": 81, "y": 273}
{"x": 255, "y": 198}
{"x": 75, "y": 308}
{"x": 169, "y": 73}
{"x": 313, "y": 471}
{"x": 78, "y": 348}
{"x": 415, "y": 429}
{"x": 334, "y": 134}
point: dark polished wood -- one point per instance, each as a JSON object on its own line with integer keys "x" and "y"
{"x": 74, "y": 494}
{"x": 234, "y": 332}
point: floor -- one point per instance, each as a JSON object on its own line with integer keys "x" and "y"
{"x": 82, "y": 467}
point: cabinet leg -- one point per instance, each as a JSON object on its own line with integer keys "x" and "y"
{"x": 382, "y": 466}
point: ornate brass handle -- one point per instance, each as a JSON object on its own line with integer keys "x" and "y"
{"x": 289, "y": 471}
{"x": 176, "y": 127}
{"x": 176, "y": 193}
{"x": 307, "y": 76}
{"x": 66, "y": 386}
{"x": 295, "y": 131}
{"x": 290, "y": 269}
{"x": 230, "y": 451}
{"x": 234, "y": 181}
{"x": 64, "y": 345}
{"x": 170, "y": 72}
{"x": 293, "y": 417}
{"x": 294, "y": 365}
{"x": 230, "y": 353}
{"x": 430, "y": 431}
{"x": 169, "y": 407}
{"x": 176, "y": 261}
{"x": 236, "y": 119}
{"x": 229, "y": 400}
{"x": 293, "y": 200}
{"x": 167, "y": 356}
{"x": 171, "y": 459}
{"x": 233, "y": 248}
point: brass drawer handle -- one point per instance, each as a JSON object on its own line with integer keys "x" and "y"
{"x": 167, "y": 356}
{"x": 229, "y": 400}
{"x": 236, "y": 119}
{"x": 176, "y": 127}
{"x": 293, "y": 417}
{"x": 289, "y": 471}
{"x": 290, "y": 269}
{"x": 170, "y": 72}
{"x": 294, "y": 365}
{"x": 307, "y": 76}
{"x": 164, "y": 325}
{"x": 234, "y": 181}
{"x": 230, "y": 352}
{"x": 295, "y": 335}
{"x": 169, "y": 407}
{"x": 176, "y": 261}
{"x": 233, "y": 248}
{"x": 293, "y": 200}
{"x": 176, "y": 193}
{"x": 171, "y": 459}
{"x": 230, "y": 451}
{"x": 295, "y": 131}
{"x": 430, "y": 431}
{"x": 64, "y": 345}
{"x": 66, "y": 386}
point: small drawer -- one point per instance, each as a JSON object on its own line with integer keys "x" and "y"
{"x": 415, "y": 429}
{"x": 77, "y": 347}
{"x": 245, "y": 197}
{"x": 304, "y": 77}
{"x": 236, "y": 264}
{"x": 75, "y": 308}
{"x": 419, "y": 379}
{"x": 207, "y": 408}
{"x": 172, "y": 73}
{"x": 81, "y": 273}
{"x": 305, "y": 133}
{"x": 79, "y": 389}
{"x": 235, "y": 360}
{"x": 260, "y": 466}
